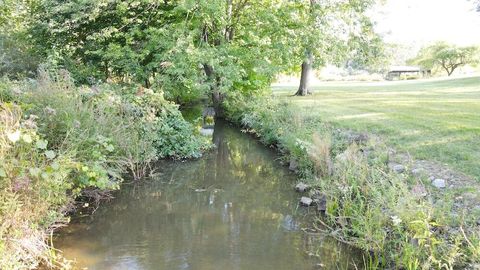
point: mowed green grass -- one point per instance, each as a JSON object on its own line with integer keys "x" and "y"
{"x": 434, "y": 120}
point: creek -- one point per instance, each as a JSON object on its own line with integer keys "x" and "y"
{"x": 234, "y": 208}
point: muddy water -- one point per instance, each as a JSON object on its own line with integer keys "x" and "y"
{"x": 233, "y": 209}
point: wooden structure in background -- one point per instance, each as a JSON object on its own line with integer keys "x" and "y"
{"x": 411, "y": 72}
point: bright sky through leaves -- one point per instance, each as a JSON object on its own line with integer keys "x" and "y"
{"x": 420, "y": 22}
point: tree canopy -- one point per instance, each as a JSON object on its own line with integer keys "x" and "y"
{"x": 334, "y": 32}
{"x": 192, "y": 49}
{"x": 446, "y": 56}
{"x": 187, "y": 46}
{"x": 17, "y": 57}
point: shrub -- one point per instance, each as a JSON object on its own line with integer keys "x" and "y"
{"x": 114, "y": 121}
{"x": 6, "y": 93}
{"x": 33, "y": 183}
{"x": 58, "y": 140}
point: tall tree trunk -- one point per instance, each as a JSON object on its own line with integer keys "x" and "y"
{"x": 229, "y": 28}
{"x": 303, "y": 88}
{"x": 217, "y": 100}
{"x": 105, "y": 70}
{"x": 216, "y": 95}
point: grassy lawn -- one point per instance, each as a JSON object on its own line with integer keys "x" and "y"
{"x": 436, "y": 119}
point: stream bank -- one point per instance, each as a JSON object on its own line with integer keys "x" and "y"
{"x": 235, "y": 208}
{"x": 368, "y": 199}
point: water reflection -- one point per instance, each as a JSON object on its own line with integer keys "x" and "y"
{"x": 233, "y": 209}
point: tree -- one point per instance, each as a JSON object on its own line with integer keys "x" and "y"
{"x": 398, "y": 54}
{"x": 16, "y": 55}
{"x": 332, "y": 32}
{"x": 446, "y": 56}
{"x": 367, "y": 51}
{"x": 188, "y": 48}
{"x": 192, "y": 48}
{"x": 240, "y": 43}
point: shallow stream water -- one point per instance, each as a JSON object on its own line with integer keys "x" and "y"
{"x": 233, "y": 209}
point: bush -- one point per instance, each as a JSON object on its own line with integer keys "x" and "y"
{"x": 58, "y": 140}
{"x": 33, "y": 184}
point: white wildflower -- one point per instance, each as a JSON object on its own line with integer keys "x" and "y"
{"x": 14, "y": 136}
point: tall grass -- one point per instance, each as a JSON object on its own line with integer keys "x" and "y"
{"x": 368, "y": 205}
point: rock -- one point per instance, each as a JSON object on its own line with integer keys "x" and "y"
{"x": 321, "y": 203}
{"x": 293, "y": 165}
{"x": 398, "y": 168}
{"x": 366, "y": 153}
{"x": 414, "y": 241}
{"x": 301, "y": 187}
{"x": 358, "y": 138}
{"x": 306, "y": 201}
{"x": 319, "y": 199}
{"x": 439, "y": 183}
{"x": 431, "y": 178}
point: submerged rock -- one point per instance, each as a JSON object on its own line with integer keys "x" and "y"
{"x": 306, "y": 201}
{"x": 439, "y": 183}
{"x": 301, "y": 187}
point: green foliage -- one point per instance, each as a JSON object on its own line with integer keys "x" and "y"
{"x": 335, "y": 32}
{"x": 6, "y": 94}
{"x": 33, "y": 184}
{"x": 446, "y": 56}
{"x": 164, "y": 125}
{"x": 367, "y": 51}
{"x": 192, "y": 49}
{"x": 17, "y": 57}
{"x": 59, "y": 140}
{"x": 159, "y": 43}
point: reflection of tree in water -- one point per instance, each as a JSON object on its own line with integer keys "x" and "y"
{"x": 242, "y": 217}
